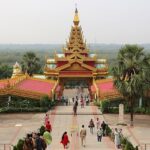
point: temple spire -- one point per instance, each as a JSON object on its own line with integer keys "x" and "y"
{"x": 76, "y": 18}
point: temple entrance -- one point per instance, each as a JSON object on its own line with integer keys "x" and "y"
{"x": 74, "y": 83}
{"x": 76, "y": 88}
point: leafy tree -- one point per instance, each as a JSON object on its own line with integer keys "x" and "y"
{"x": 130, "y": 74}
{"x": 30, "y": 63}
{"x": 146, "y": 73}
{"x": 5, "y": 71}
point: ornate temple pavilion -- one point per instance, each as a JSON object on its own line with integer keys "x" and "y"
{"x": 77, "y": 65}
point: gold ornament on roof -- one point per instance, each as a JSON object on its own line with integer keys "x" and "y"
{"x": 76, "y": 18}
{"x": 17, "y": 70}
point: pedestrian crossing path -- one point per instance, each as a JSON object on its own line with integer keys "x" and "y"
{"x": 72, "y": 124}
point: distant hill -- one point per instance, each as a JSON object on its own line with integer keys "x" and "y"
{"x": 58, "y": 47}
{"x": 10, "y": 53}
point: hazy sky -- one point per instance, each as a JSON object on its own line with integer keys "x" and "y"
{"x": 49, "y": 21}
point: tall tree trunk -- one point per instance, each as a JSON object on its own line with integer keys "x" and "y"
{"x": 131, "y": 111}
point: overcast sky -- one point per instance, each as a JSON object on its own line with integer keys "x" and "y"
{"x": 49, "y": 21}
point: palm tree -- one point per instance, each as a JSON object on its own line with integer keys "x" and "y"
{"x": 129, "y": 74}
{"x": 30, "y": 63}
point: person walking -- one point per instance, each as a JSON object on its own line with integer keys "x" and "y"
{"x": 73, "y": 100}
{"x": 87, "y": 101}
{"x": 65, "y": 140}
{"x": 82, "y": 102}
{"x": 98, "y": 123}
{"x": 28, "y": 144}
{"x": 75, "y": 107}
{"x": 34, "y": 140}
{"x": 103, "y": 126}
{"x": 117, "y": 138}
{"x": 40, "y": 145}
{"x": 91, "y": 126}
{"x": 48, "y": 139}
{"x": 99, "y": 134}
{"x": 48, "y": 127}
{"x": 46, "y": 118}
{"x": 83, "y": 135}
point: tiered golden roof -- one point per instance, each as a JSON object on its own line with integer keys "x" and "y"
{"x": 76, "y": 42}
{"x": 75, "y": 57}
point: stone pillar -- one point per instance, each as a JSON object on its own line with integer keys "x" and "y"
{"x": 121, "y": 113}
{"x": 140, "y": 102}
{"x": 9, "y": 100}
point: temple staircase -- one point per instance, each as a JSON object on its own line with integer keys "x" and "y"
{"x": 72, "y": 93}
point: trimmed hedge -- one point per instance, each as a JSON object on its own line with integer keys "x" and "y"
{"x": 112, "y": 106}
{"x": 18, "y": 104}
{"x": 16, "y": 110}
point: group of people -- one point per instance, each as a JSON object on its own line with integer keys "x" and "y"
{"x": 37, "y": 141}
{"x": 116, "y": 135}
{"x": 81, "y": 100}
{"x": 101, "y": 130}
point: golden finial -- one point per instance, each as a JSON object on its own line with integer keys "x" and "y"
{"x": 76, "y": 17}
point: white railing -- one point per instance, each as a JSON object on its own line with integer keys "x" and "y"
{"x": 6, "y": 147}
{"x": 145, "y": 146}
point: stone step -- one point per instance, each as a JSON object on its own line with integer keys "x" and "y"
{"x": 79, "y": 113}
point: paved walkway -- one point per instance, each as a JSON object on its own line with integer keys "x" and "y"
{"x": 139, "y": 134}
{"x": 15, "y": 126}
{"x": 73, "y": 125}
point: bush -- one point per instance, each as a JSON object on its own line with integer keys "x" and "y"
{"x": 139, "y": 110}
{"x": 129, "y": 146}
{"x": 104, "y": 105}
{"x": 97, "y": 103}
{"x": 42, "y": 130}
{"x": 45, "y": 102}
{"x": 124, "y": 142}
{"x": 15, "y": 110}
{"x": 147, "y": 111}
{"x": 108, "y": 131}
{"x": 114, "y": 110}
{"x": 20, "y": 144}
{"x": 15, "y": 147}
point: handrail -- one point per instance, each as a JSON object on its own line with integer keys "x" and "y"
{"x": 6, "y": 146}
{"x": 144, "y": 146}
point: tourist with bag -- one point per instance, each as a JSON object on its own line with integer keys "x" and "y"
{"x": 91, "y": 126}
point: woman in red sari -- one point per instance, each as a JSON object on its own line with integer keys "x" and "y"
{"x": 65, "y": 140}
{"x": 48, "y": 126}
